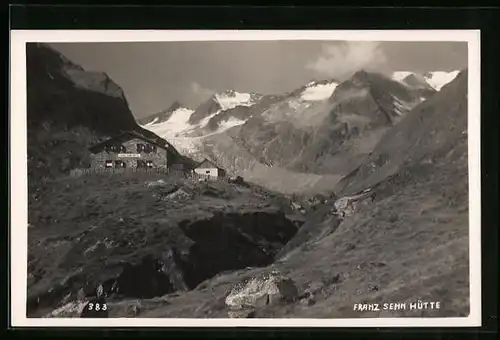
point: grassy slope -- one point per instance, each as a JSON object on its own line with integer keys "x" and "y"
{"x": 71, "y": 215}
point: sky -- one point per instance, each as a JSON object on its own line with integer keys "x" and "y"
{"x": 155, "y": 74}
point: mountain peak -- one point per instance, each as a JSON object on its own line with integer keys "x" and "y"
{"x": 417, "y": 81}
{"x": 363, "y": 77}
{"x": 317, "y": 90}
{"x": 229, "y": 99}
{"x": 361, "y": 74}
{"x": 437, "y": 79}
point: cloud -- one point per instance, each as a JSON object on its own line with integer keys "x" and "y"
{"x": 201, "y": 92}
{"x": 342, "y": 60}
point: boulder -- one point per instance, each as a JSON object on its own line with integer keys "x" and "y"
{"x": 71, "y": 309}
{"x": 157, "y": 183}
{"x": 308, "y": 299}
{"x": 179, "y": 195}
{"x": 346, "y": 206}
{"x": 257, "y": 292}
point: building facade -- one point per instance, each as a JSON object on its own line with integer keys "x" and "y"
{"x": 129, "y": 150}
{"x": 209, "y": 170}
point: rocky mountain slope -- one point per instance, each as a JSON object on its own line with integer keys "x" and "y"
{"x": 318, "y": 132}
{"x": 226, "y": 100}
{"x": 326, "y": 136}
{"x": 432, "y": 130}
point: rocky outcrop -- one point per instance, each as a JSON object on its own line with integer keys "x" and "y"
{"x": 346, "y": 206}
{"x": 248, "y": 296}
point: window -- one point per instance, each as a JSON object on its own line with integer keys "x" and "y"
{"x": 150, "y": 148}
{"x": 115, "y": 148}
{"x": 140, "y": 148}
{"x": 120, "y": 164}
{"x": 108, "y": 164}
{"x": 208, "y": 171}
{"x": 149, "y": 164}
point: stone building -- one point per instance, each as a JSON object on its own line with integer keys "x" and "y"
{"x": 129, "y": 150}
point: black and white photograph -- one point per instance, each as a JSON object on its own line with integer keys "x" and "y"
{"x": 234, "y": 178}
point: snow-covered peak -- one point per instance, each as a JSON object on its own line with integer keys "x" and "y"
{"x": 177, "y": 123}
{"x": 229, "y": 99}
{"x": 183, "y": 111}
{"x": 438, "y": 79}
{"x": 318, "y": 91}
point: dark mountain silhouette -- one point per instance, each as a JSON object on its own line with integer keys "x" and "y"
{"x": 64, "y": 93}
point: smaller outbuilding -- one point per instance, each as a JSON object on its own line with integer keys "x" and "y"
{"x": 209, "y": 170}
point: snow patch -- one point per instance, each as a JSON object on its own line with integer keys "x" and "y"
{"x": 318, "y": 92}
{"x": 400, "y": 75}
{"x": 232, "y": 99}
{"x": 231, "y": 122}
{"x": 440, "y": 78}
{"x": 177, "y": 123}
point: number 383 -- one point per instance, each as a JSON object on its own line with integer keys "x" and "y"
{"x": 97, "y": 306}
